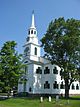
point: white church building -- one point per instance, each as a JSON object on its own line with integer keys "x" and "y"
{"x": 41, "y": 77}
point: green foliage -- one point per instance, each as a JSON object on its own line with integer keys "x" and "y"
{"x": 61, "y": 44}
{"x": 27, "y": 102}
{"x": 10, "y": 66}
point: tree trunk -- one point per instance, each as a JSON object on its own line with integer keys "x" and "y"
{"x": 66, "y": 89}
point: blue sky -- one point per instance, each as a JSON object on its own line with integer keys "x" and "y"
{"x": 15, "y": 17}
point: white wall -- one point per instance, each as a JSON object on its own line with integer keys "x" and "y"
{"x": 36, "y": 81}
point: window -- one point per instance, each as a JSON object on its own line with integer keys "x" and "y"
{"x": 35, "y": 51}
{"x": 61, "y": 71}
{"x": 26, "y": 62}
{"x": 46, "y": 85}
{"x": 62, "y": 86}
{"x": 61, "y": 77}
{"x": 55, "y": 71}
{"x": 55, "y": 85}
{"x": 34, "y": 32}
{"x": 28, "y": 39}
{"x": 31, "y": 31}
{"x": 73, "y": 87}
{"x": 30, "y": 89}
{"x": 39, "y": 71}
{"x": 24, "y": 86}
{"x": 26, "y": 49}
{"x": 77, "y": 87}
{"x": 46, "y": 70}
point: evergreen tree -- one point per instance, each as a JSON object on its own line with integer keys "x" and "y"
{"x": 10, "y": 66}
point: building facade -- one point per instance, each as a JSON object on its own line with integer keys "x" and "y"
{"x": 41, "y": 77}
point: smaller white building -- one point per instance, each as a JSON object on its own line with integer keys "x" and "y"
{"x": 41, "y": 76}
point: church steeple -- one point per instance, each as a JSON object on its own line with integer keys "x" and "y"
{"x": 32, "y": 47}
{"x": 32, "y": 32}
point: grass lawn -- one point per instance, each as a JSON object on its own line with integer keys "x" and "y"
{"x": 26, "y": 102}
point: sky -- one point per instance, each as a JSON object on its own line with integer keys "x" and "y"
{"x": 15, "y": 17}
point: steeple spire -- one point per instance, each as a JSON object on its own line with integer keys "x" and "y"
{"x": 33, "y": 20}
{"x": 32, "y": 32}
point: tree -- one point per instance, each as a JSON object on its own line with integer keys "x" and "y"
{"x": 61, "y": 44}
{"x": 10, "y": 66}
{"x": 1, "y": 82}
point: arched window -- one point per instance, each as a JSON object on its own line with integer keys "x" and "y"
{"x": 34, "y": 32}
{"x": 46, "y": 85}
{"x": 30, "y": 89}
{"x": 46, "y": 70}
{"x": 73, "y": 87}
{"x": 31, "y": 31}
{"x": 27, "y": 39}
{"x": 77, "y": 87}
{"x": 55, "y": 71}
{"x": 35, "y": 51}
{"x": 62, "y": 86}
{"x": 39, "y": 70}
{"x": 55, "y": 85}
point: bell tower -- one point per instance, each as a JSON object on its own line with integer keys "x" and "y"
{"x": 32, "y": 48}
{"x": 32, "y": 32}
